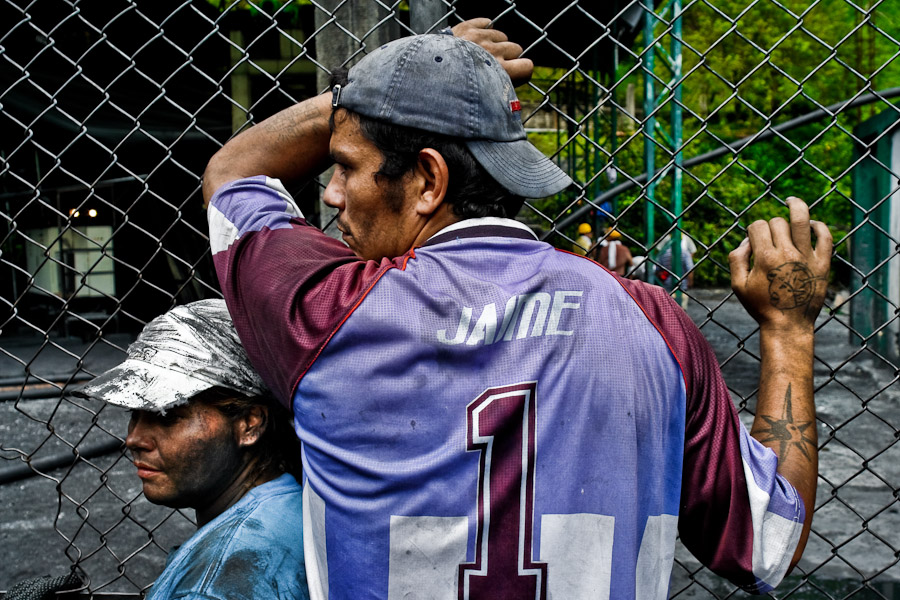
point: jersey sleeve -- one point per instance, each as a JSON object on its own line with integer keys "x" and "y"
{"x": 287, "y": 285}
{"x": 738, "y": 516}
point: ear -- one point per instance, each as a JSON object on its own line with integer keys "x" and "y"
{"x": 250, "y": 427}
{"x": 433, "y": 178}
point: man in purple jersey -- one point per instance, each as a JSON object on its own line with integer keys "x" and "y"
{"x": 458, "y": 441}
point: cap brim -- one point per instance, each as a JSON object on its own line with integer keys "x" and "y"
{"x": 139, "y": 385}
{"x": 520, "y": 167}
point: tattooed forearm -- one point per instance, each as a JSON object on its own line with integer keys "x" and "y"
{"x": 782, "y": 434}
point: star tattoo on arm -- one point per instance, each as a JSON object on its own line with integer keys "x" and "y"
{"x": 788, "y": 434}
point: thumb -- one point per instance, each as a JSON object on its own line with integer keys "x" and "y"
{"x": 739, "y": 262}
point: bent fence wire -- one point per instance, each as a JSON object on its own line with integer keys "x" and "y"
{"x": 679, "y": 121}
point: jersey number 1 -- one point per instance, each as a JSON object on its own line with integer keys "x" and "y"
{"x": 501, "y": 426}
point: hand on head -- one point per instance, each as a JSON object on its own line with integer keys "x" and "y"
{"x": 496, "y": 42}
{"x": 785, "y": 286}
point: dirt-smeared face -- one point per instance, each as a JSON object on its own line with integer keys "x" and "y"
{"x": 185, "y": 458}
{"x": 375, "y": 216}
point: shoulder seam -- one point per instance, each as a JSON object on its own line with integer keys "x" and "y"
{"x": 362, "y": 296}
{"x": 643, "y": 310}
{"x": 662, "y": 334}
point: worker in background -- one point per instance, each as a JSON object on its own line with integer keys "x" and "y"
{"x": 583, "y": 242}
{"x": 613, "y": 254}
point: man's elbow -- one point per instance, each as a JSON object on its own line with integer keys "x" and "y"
{"x": 215, "y": 176}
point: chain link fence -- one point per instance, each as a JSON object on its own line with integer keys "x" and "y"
{"x": 680, "y": 121}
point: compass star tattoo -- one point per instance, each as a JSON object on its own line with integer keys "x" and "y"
{"x": 788, "y": 434}
{"x": 792, "y": 285}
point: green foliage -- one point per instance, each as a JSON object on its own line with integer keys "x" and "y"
{"x": 747, "y": 66}
{"x": 286, "y": 10}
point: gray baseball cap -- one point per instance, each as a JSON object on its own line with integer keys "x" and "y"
{"x": 446, "y": 85}
{"x": 179, "y": 354}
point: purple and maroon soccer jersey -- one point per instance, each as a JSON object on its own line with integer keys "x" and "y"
{"x": 460, "y": 441}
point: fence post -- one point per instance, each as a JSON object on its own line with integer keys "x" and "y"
{"x": 873, "y": 253}
{"x": 427, "y": 16}
{"x": 649, "y": 125}
{"x": 347, "y": 30}
{"x": 677, "y": 158}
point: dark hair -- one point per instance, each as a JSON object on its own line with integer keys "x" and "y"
{"x": 277, "y": 450}
{"x": 472, "y": 192}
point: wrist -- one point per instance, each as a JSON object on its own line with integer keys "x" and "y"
{"x": 793, "y": 341}
{"x": 792, "y": 328}
{"x": 787, "y": 351}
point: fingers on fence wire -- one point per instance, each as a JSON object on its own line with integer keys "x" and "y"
{"x": 800, "y": 232}
{"x": 494, "y": 41}
{"x": 762, "y": 235}
{"x": 824, "y": 243}
{"x": 44, "y": 588}
{"x": 481, "y": 26}
{"x": 787, "y": 273}
{"x": 781, "y": 232}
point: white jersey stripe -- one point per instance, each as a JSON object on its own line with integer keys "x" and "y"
{"x": 578, "y": 550}
{"x": 655, "y": 559}
{"x": 425, "y": 556}
{"x": 222, "y": 232}
{"x": 774, "y": 537}
{"x": 314, "y": 549}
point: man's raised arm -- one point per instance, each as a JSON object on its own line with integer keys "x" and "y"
{"x": 291, "y": 145}
{"x": 784, "y": 290}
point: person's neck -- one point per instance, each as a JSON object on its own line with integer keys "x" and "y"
{"x": 441, "y": 218}
{"x": 244, "y": 481}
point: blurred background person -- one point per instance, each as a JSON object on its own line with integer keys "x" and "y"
{"x": 613, "y": 254}
{"x": 584, "y": 242}
{"x": 665, "y": 272}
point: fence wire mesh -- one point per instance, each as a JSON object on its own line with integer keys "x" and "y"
{"x": 681, "y": 122}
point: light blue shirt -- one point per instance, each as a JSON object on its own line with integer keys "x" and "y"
{"x": 252, "y": 550}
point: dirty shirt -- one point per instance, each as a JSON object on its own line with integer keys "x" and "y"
{"x": 252, "y": 550}
{"x": 459, "y": 441}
